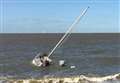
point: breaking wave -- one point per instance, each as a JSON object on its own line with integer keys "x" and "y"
{"x": 73, "y": 79}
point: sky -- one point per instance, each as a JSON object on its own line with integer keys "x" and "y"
{"x": 55, "y": 16}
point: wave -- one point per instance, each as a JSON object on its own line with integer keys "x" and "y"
{"x": 73, "y": 79}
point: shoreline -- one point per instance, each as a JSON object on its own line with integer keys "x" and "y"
{"x": 72, "y": 79}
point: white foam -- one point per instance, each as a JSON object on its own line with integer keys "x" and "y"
{"x": 76, "y": 79}
{"x": 100, "y": 79}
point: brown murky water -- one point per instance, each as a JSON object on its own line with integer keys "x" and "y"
{"x": 92, "y": 54}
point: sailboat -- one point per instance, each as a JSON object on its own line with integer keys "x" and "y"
{"x": 37, "y": 62}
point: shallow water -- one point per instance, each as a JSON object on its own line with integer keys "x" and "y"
{"x": 92, "y": 54}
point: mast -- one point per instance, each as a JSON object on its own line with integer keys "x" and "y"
{"x": 69, "y": 30}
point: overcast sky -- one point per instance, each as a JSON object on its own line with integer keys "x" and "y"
{"x": 55, "y": 16}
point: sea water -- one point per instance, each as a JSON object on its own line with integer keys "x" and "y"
{"x": 91, "y": 54}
